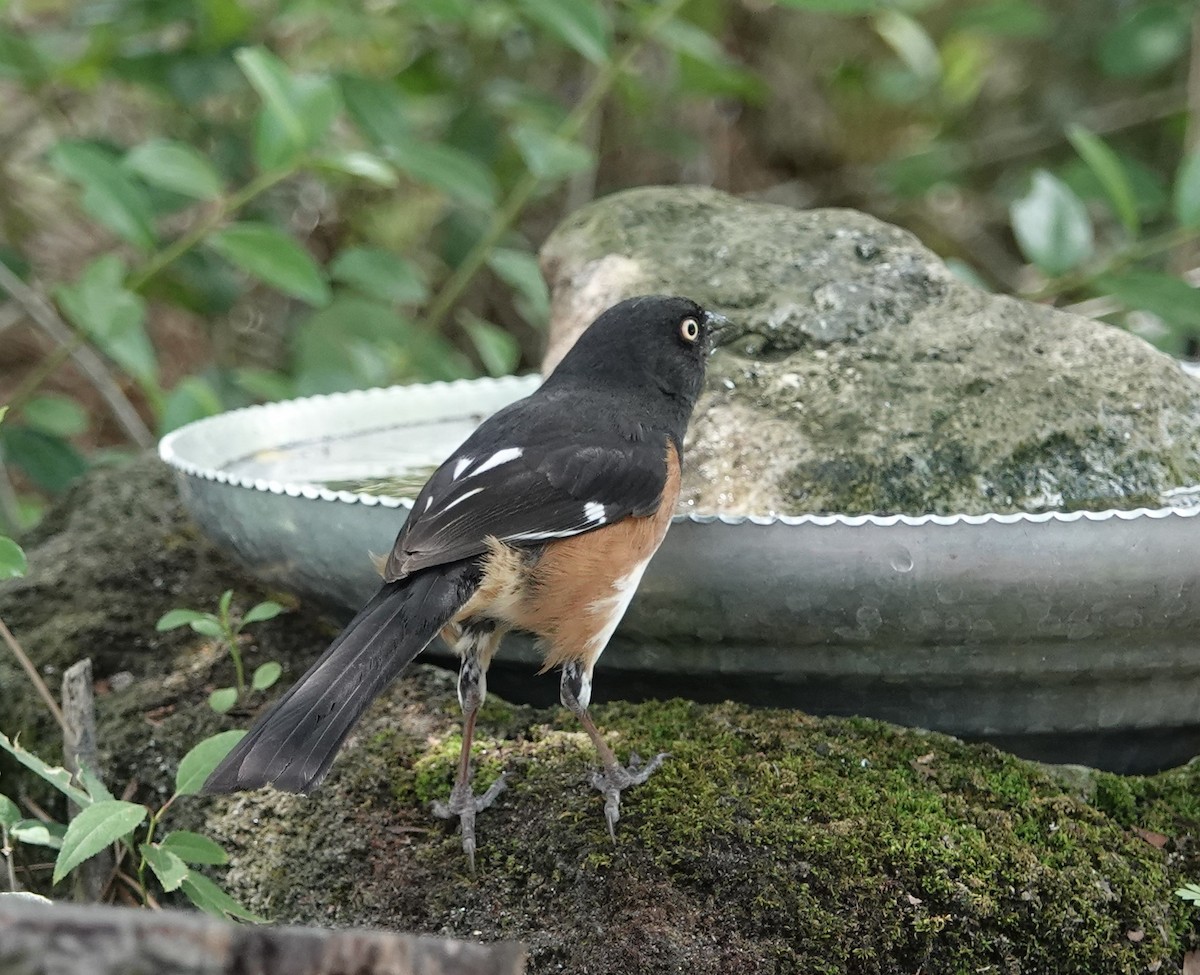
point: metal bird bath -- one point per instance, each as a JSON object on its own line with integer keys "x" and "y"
{"x": 1063, "y": 637}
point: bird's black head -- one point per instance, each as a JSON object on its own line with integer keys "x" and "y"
{"x": 653, "y": 345}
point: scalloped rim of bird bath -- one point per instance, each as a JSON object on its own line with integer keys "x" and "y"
{"x": 185, "y": 450}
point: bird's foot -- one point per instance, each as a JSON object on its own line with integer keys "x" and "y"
{"x": 613, "y": 779}
{"x": 465, "y": 804}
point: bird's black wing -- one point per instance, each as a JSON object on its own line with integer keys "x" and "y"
{"x": 528, "y": 488}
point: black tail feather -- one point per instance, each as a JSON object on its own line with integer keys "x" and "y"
{"x": 294, "y": 744}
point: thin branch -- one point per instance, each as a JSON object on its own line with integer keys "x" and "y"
{"x": 519, "y": 196}
{"x": 34, "y": 676}
{"x": 10, "y": 504}
{"x": 10, "y": 314}
{"x": 72, "y": 345}
{"x": 1191, "y": 136}
{"x": 216, "y": 216}
{"x": 1159, "y": 244}
{"x": 6, "y": 851}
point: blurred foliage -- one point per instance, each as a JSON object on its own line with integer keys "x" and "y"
{"x": 355, "y": 191}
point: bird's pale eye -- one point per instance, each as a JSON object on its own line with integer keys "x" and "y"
{"x": 689, "y": 330}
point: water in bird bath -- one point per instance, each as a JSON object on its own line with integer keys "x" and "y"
{"x": 393, "y": 460}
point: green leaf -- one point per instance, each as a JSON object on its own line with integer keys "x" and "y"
{"x": 12, "y": 559}
{"x": 193, "y": 848}
{"x": 581, "y": 24}
{"x": 224, "y": 603}
{"x": 848, "y": 7}
{"x": 174, "y": 166}
{"x": 36, "y": 833}
{"x": 222, "y": 699}
{"x": 266, "y": 675}
{"x": 269, "y": 76}
{"x": 448, "y": 169}
{"x": 911, "y": 43}
{"x": 497, "y": 350}
{"x": 93, "y": 785}
{"x": 298, "y": 110}
{"x": 58, "y": 777}
{"x": 55, "y": 414}
{"x": 1149, "y": 38}
{"x": 109, "y": 195}
{"x": 50, "y": 462}
{"x": 197, "y": 765}
{"x": 377, "y": 108}
{"x": 1108, "y": 169}
{"x": 263, "y": 384}
{"x": 3, "y": 413}
{"x": 21, "y": 60}
{"x": 273, "y": 257}
{"x": 213, "y": 900}
{"x": 1005, "y": 18}
{"x": 1052, "y": 225}
{"x": 1189, "y": 892}
{"x": 547, "y": 155}
{"x": 94, "y": 829}
{"x": 192, "y": 399}
{"x": 380, "y": 274}
{"x": 10, "y": 815}
{"x": 363, "y": 165}
{"x": 261, "y": 612}
{"x": 1187, "y": 192}
{"x": 519, "y": 270}
{"x": 1170, "y": 298}
{"x": 208, "y": 625}
{"x": 167, "y": 867}
{"x": 112, "y": 316}
{"x": 175, "y": 618}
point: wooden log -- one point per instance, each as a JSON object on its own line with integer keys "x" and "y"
{"x": 36, "y": 939}
{"x": 79, "y": 750}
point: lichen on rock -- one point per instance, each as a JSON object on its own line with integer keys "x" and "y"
{"x": 862, "y": 377}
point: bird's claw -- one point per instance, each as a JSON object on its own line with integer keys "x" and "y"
{"x": 465, "y": 804}
{"x": 613, "y": 779}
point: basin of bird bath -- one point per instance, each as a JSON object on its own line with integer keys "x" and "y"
{"x": 1069, "y": 637}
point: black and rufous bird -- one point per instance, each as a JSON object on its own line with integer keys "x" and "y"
{"x": 543, "y": 521}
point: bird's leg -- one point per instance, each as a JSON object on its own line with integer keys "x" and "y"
{"x": 472, "y": 689}
{"x": 575, "y": 691}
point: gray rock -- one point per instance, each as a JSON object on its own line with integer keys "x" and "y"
{"x": 863, "y": 377}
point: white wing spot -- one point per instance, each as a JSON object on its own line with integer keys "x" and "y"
{"x": 498, "y": 458}
{"x": 428, "y": 502}
{"x": 461, "y": 466}
{"x": 460, "y": 499}
{"x": 594, "y": 511}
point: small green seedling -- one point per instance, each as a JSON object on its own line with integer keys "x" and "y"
{"x": 227, "y": 628}
{"x": 1189, "y": 892}
{"x": 12, "y": 559}
{"x": 104, "y": 820}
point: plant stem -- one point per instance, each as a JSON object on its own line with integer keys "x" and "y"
{"x": 34, "y": 676}
{"x": 217, "y": 215}
{"x": 74, "y": 344}
{"x": 141, "y": 867}
{"x": 236, "y": 654}
{"x": 1137, "y": 251}
{"x": 71, "y": 344}
{"x": 519, "y": 196}
{"x": 7, "y": 852}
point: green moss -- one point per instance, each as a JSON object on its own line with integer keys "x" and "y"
{"x": 769, "y": 841}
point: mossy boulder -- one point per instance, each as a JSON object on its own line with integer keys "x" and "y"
{"x": 863, "y": 377}
{"x": 770, "y": 841}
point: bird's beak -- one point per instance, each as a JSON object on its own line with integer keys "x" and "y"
{"x": 716, "y": 324}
